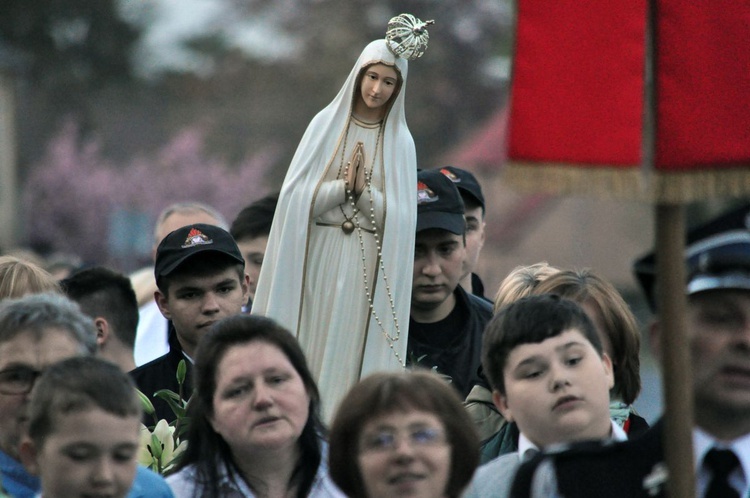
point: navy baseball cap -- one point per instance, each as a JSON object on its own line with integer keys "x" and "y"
{"x": 439, "y": 204}
{"x": 466, "y": 182}
{"x": 190, "y": 240}
{"x": 717, "y": 256}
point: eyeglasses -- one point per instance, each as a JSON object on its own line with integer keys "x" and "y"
{"x": 18, "y": 380}
{"x": 387, "y": 440}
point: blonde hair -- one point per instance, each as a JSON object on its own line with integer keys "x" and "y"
{"x": 19, "y": 278}
{"x": 521, "y": 281}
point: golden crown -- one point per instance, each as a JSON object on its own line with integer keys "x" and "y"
{"x": 407, "y": 36}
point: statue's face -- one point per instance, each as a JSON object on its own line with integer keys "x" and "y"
{"x": 378, "y": 84}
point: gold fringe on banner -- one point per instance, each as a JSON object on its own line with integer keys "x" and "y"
{"x": 704, "y": 185}
{"x": 569, "y": 179}
{"x": 635, "y": 183}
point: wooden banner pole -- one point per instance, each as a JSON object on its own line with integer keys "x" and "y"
{"x": 675, "y": 349}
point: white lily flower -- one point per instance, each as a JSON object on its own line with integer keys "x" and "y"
{"x": 159, "y": 449}
{"x": 145, "y": 457}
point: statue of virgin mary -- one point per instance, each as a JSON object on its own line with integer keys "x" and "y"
{"x": 338, "y": 266}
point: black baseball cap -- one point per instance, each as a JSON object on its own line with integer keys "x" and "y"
{"x": 466, "y": 182}
{"x": 439, "y": 204}
{"x": 190, "y": 240}
{"x": 717, "y": 256}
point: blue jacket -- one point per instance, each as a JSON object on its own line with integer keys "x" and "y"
{"x": 20, "y": 484}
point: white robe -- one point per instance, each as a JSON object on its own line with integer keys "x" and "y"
{"x": 312, "y": 278}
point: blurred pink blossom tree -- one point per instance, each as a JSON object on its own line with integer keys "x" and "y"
{"x": 70, "y": 199}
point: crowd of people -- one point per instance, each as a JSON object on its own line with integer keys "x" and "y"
{"x": 304, "y": 374}
{"x": 491, "y": 393}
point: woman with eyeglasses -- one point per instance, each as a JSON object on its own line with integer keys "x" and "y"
{"x": 402, "y": 434}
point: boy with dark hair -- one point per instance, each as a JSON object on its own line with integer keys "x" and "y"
{"x": 152, "y": 338}
{"x": 84, "y": 415}
{"x": 250, "y": 229}
{"x": 550, "y": 376}
{"x": 201, "y": 279}
{"x": 108, "y": 298}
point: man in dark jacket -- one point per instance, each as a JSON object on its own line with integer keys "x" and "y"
{"x": 201, "y": 279}
{"x": 446, "y": 322}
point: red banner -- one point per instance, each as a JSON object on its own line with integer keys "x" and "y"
{"x": 578, "y": 82}
{"x": 703, "y": 84}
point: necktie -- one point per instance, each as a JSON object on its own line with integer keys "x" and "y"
{"x": 721, "y": 463}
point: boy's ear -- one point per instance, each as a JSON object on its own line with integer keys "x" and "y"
{"x": 609, "y": 371}
{"x": 102, "y": 331}
{"x": 501, "y": 402}
{"x": 163, "y": 303}
{"x": 28, "y": 454}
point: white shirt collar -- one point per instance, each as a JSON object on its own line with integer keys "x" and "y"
{"x": 525, "y": 445}
{"x": 188, "y": 358}
{"x": 618, "y": 433}
{"x": 702, "y": 442}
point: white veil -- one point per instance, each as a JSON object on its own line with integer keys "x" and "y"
{"x": 279, "y": 293}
